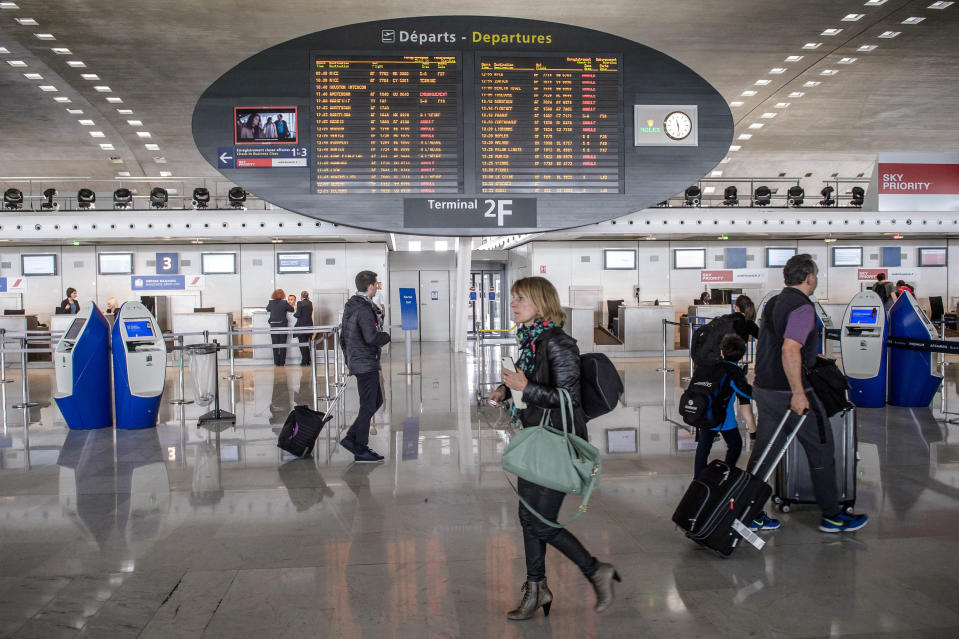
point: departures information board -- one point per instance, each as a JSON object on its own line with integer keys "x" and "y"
{"x": 550, "y": 124}
{"x": 387, "y": 124}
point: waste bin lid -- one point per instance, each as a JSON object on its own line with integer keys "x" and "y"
{"x": 200, "y": 349}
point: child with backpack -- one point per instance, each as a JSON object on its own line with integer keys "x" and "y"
{"x": 708, "y": 404}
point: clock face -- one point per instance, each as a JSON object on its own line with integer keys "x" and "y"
{"x": 678, "y": 125}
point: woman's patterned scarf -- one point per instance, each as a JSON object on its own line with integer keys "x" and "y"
{"x": 527, "y": 336}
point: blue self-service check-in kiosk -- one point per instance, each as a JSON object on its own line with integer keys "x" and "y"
{"x": 913, "y": 378}
{"x": 82, "y": 365}
{"x": 139, "y": 367}
{"x": 863, "y": 347}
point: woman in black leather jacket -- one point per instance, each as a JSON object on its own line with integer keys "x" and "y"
{"x": 548, "y": 361}
{"x": 278, "y": 307}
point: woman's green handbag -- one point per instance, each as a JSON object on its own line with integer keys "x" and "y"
{"x": 556, "y": 459}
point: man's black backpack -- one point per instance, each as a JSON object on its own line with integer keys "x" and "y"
{"x": 703, "y": 404}
{"x": 707, "y": 340}
{"x": 600, "y": 384}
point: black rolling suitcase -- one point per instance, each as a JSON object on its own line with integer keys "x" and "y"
{"x": 793, "y": 481}
{"x": 716, "y": 510}
{"x": 299, "y": 432}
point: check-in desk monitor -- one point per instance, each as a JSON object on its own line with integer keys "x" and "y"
{"x": 863, "y": 346}
{"x": 139, "y": 366}
{"x": 913, "y": 375}
{"x": 81, "y": 364}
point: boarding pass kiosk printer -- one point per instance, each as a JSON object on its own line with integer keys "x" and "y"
{"x": 82, "y": 365}
{"x": 913, "y": 375}
{"x": 139, "y": 367}
{"x": 863, "y": 347}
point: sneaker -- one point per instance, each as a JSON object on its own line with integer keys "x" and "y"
{"x": 374, "y": 453}
{"x": 764, "y": 522}
{"x": 349, "y": 445}
{"x": 367, "y": 457}
{"x": 843, "y": 522}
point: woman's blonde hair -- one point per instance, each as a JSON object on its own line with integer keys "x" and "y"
{"x": 541, "y": 292}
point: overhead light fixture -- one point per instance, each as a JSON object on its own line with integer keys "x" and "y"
{"x": 827, "y": 198}
{"x": 725, "y": 160}
{"x": 85, "y": 122}
{"x": 715, "y": 173}
{"x": 27, "y": 22}
{"x": 828, "y": 72}
{"x": 796, "y": 94}
{"x": 781, "y": 105}
{"x": 166, "y": 174}
{"x": 847, "y": 60}
{"x": 86, "y": 198}
{"x": 768, "y": 115}
{"x": 858, "y": 196}
{"x": 811, "y": 83}
{"x": 793, "y": 58}
{"x": 125, "y": 111}
{"x": 866, "y": 48}
{"x": 89, "y": 76}
{"x": 693, "y": 195}
{"x": 48, "y": 204}
{"x": 913, "y": 20}
{"x": 135, "y": 122}
{"x": 8, "y": 5}
{"x": 62, "y": 99}
{"x": 414, "y": 245}
{"x": 144, "y": 134}
{"x": 4, "y": 50}
{"x": 76, "y": 64}
{"x": 748, "y": 94}
{"x": 730, "y": 196}
{"x": 158, "y": 197}
{"x": 17, "y": 63}
{"x": 828, "y": 240}
{"x": 888, "y": 34}
{"x": 736, "y": 103}
{"x": 777, "y": 70}
{"x": 853, "y": 17}
{"x": 875, "y": 3}
{"x": 44, "y": 36}
{"x": 745, "y": 136}
{"x": 61, "y": 50}
{"x": 13, "y": 199}
{"x": 795, "y": 196}
{"x": 831, "y": 32}
{"x": 102, "y": 88}
{"x": 123, "y": 174}
{"x": 33, "y": 76}
{"x": 809, "y": 46}
{"x": 97, "y": 134}
{"x": 48, "y": 88}
{"x": 122, "y": 199}
{"x": 762, "y": 196}
{"x": 756, "y": 125}
{"x": 106, "y": 146}
{"x": 734, "y": 147}
{"x": 201, "y": 198}
{"x": 114, "y": 100}
{"x": 75, "y": 111}
{"x": 237, "y": 197}
{"x": 762, "y": 83}
{"x": 940, "y": 5}
{"x": 151, "y": 147}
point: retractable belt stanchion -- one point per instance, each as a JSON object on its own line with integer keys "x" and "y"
{"x": 3, "y": 357}
{"x": 664, "y": 368}
{"x": 326, "y": 370}
{"x": 232, "y": 374}
{"x": 182, "y": 400}
{"x": 689, "y": 327}
{"x": 316, "y": 405}
{"x": 26, "y": 403}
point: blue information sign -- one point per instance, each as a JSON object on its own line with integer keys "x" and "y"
{"x": 3, "y": 285}
{"x": 157, "y": 283}
{"x": 408, "y": 312}
{"x": 225, "y": 157}
{"x": 168, "y": 263}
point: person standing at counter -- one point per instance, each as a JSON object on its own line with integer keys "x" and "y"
{"x": 112, "y": 306}
{"x": 304, "y": 317}
{"x": 278, "y": 307}
{"x": 70, "y": 305}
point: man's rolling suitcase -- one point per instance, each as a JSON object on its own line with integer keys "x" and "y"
{"x": 793, "y": 481}
{"x": 721, "y": 502}
{"x": 299, "y": 432}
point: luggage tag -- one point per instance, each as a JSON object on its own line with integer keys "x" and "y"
{"x": 744, "y": 532}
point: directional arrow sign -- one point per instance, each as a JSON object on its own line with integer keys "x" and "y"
{"x": 226, "y": 158}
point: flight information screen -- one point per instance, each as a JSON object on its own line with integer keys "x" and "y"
{"x": 550, "y": 124}
{"x": 387, "y": 124}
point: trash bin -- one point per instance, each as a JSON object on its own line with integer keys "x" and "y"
{"x": 203, "y": 372}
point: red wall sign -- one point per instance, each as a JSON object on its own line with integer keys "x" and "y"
{"x": 716, "y": 276}
{"x": 869, "y": 274}
{"x": 915, "y": 179}
{"x": 542, "y": 268}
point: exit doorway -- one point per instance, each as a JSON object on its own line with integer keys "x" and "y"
{"x": 487, "y": 302}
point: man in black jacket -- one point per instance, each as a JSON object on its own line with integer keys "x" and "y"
{"x": 304, "y": 317}
{"x": 362, "y": 336}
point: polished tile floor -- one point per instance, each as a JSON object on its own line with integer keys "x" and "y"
{"x": 180, "y": 531}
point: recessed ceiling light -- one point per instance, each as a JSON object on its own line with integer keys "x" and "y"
{"x": 414, "y": 245}
{"x": 865, "y": 48}
{"x": 49, "y": 88}
{"x": 114, "y": 100}
{"x": 8, "y": 5}
{"x": 61, "y": 50}
{"x": 160, "y": 160}
{"x": 762, "y": 83}
{"x": 748, "y": 94}
{"x": 781, "y": 105}
{"x": 811, "y": 45}
{"x": 889, "y": 34}
{"x": 86, "y": 122}
{"x": 107, "y": 147}
{"x": 734, "y": 147}
{"x": 940, "y": 5}
{"x": 165, "y": 174}
{"x": 794, "y": 58}
{"x": 4, "y": 50}
{"x": 144, "y": 134}
{"x": 913, "y": 20}
{"x": 811, "y": 83}
{"x": 853, "y": 17}
{"x": 716, "y": 173}
{"x": 102, "y": 88}
{"x": 828, "y": 72}
{"x": 875, "y": 3}
{"x": 796, "y": 94}
{"x": 75, "y": 111}
{"x": 123, "y": 174}
{"x": 97, "y": 134}
{"x": 16, "y": 63}
{"x": 27, "y": 22}
{"x": 151, "y": 147}
{"x": 831, "y": 32}
{"x": 847, "y": 60}
{"x": 76, "y": 64}
{"x": 777, "y": 70}
{"x": 745, "y": 136}
{"x": 90, "y": 76}
{"x": 769, "y": 115}
{"x": 708, "y": 190}
{"x": 736, "y": 103}
{"x": 33, "y": 76}
{"x": 756, "y": 125}
{"x": 724, "y": 160}
{"x": 44, "y": 36}
{"x": 135, "y": 122}
{"x": 125, "y": 111}
{"x": 61, "y": 99}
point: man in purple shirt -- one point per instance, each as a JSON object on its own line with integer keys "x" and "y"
{"x": 787, "y": 344}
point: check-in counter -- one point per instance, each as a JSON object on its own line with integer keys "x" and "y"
{"x": 579, "y": 325}
{"x": 60, "y": 323}
{"x": 217, "y": 323}
{"x": 260, "y": 320}
{"x": 641, "y": 327}
{"x": 709, "y": 310}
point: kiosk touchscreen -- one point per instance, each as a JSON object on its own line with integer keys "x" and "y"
{"x": 82, "y": 365}
{"x": 139, "y": 367}
{"x": 913, "y": 375}
{"x": 863, "y": 347}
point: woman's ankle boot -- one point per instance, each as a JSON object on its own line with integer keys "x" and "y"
{"x": 602, "y": 581}
{"x": 535, "y": 594}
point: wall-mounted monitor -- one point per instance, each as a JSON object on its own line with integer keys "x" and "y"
{"x": 776, "y": 257}
{"x": 932, "y": 256}
{"x": 294, "y": 262}
{"x": 38, "y": 264}
{"x": 689, "y": 258}
{"x": 847, "y": 256}
{"x": 115, "y": 263}
{"x": 619, "y": 259}
{"x": 218, "y": 263}
{"x": 265, "y": 125}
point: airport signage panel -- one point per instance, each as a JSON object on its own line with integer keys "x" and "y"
{"x": 157, "y": 283}
{"x": 733, "y": 275}
{"x": 408, "y": 311}
{"x": 917, "y": 181}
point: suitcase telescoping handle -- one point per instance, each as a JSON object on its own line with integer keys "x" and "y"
{"x": 772, "y": 442}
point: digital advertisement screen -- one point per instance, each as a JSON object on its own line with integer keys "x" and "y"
{"x": 777, "y": 257}
{"x": 265, "y": 125}
{"x": 293, "y": 262}
{"x": 847, "y": 256}
{"x": 39, "y": 264}
{"x": 138, "y": 328}
{"x": 115, "y": 263}
{"x": 217, "y": 263}
{"x": 932, "y": 256}
{"x": 619, "y": 259}
{"x": 868, "y": 315}
{"x": 75, "y": 328}
{"x": 689, "y": 258}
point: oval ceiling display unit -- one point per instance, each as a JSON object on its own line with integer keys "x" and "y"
{"x": 462, "y": 125}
